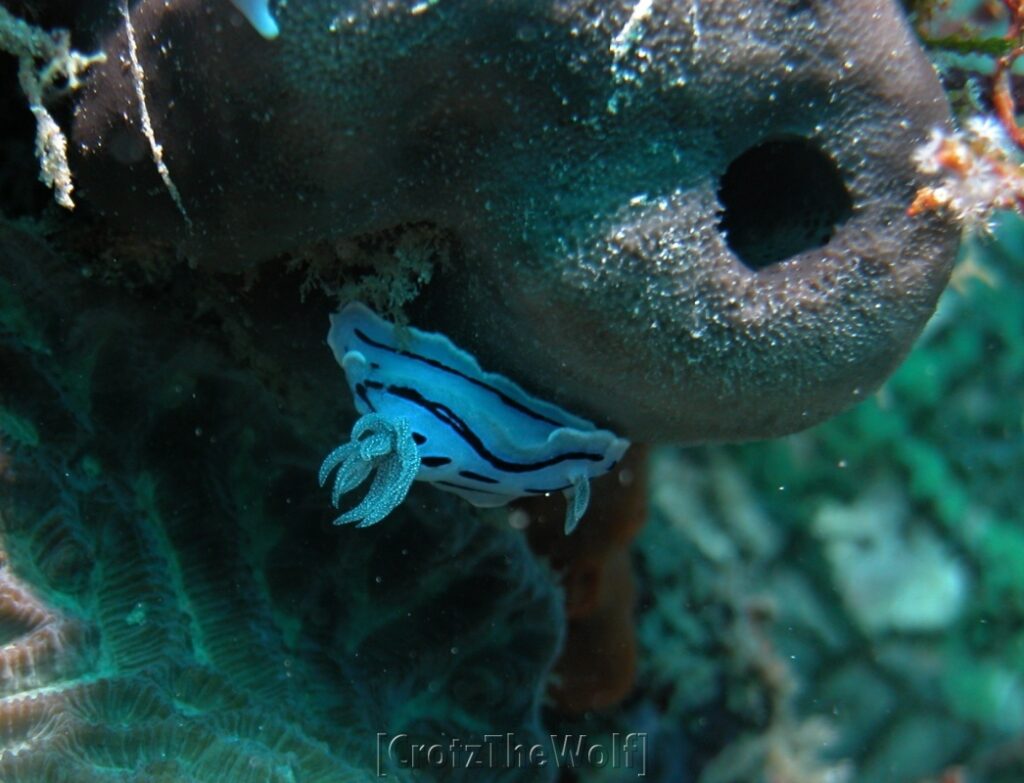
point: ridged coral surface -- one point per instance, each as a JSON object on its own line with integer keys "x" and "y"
{"x": 174, "y": 603}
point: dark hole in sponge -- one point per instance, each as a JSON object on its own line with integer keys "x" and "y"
{"x": 781, "y": 198}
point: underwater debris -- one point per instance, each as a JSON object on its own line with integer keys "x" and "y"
{"x": 385, "y": 270}
{"x": 45, "y": 60}
{"x": 156, "y": 149}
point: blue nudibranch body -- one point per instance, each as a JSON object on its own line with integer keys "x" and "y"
{"x": 257, "y": 12}
{"x": 429, "y": 412}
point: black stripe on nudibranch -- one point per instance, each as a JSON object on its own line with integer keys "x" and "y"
{"x": 467, "y": 489}
{"x": 515, "y": 404}
{"x": 434, "y": 462}
{"x": 477, "y": 477}
{"x": 447, "y": 416}
{"x": 419, "y": 438}
{"x": 361, "y": 393}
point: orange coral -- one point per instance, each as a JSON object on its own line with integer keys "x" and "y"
{"x": 981, "y": 166}
{"x": 598, "y": 662}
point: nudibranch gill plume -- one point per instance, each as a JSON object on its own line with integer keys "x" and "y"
{"x": 429, "y": 412}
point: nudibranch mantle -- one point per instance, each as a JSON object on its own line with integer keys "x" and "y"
{"x": 476, "y": 433}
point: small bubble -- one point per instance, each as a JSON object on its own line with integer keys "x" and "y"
{"x": 518, "y": 519}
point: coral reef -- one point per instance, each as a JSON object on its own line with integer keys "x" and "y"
{"x": 844, "y": 604}
{"x": 750, "y": 256}
{"x": 715, "y": 575}
{"x": 191, "y": 616}
{"x": 892, "y": 575}
{"x": 982, "y": 174}
{"x": 39, "y": 644}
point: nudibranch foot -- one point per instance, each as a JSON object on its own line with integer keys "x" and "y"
{"x": 380, "y": 444}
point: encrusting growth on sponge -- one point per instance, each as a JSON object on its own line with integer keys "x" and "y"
{"x": 59, "y": 63}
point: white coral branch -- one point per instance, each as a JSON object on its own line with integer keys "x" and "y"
{"x": 46, "y": 59}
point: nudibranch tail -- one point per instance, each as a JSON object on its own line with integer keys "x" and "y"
{"x": 576, "y": 502}
{"x": 380, "y": 444}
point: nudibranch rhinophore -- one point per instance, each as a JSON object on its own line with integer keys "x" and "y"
{"x": 429, "y": 412}
{"x": 257, "y": 13}
{"x": 684, "y": 220}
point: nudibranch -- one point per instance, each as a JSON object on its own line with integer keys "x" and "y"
{"x": 429, "y": 412}
{"x": 257, "y": 13}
